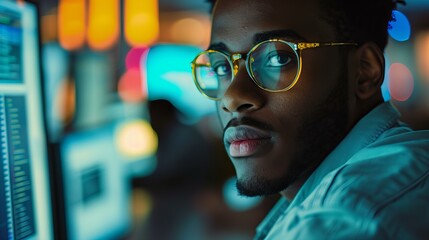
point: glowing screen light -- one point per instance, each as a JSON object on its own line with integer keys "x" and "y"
{"x": 103, "y": 23}
{"x": 141, "y": 22}
{"x": 136, "y": 139}
{"x": 71, "y": 23}
{"x": 400, "y": 27}
{"x": 169, "y": 76}
{"x": 401, "y": 82}
{"x": 235, "y": 201}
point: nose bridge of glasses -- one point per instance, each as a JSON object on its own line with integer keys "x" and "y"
{"x": 235, "y": 63}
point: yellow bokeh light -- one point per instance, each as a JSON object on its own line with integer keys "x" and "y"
{"x": 136, "y": 139}
{"x": 103, "y": 24}
{"x": 141, "y": 20}
{"x": 142, "y": 204}
{"x": 71, "y": 23}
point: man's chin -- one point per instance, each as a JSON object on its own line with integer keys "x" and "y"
{"x": 259, "y": 186}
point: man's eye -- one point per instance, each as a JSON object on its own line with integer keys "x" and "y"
{"x": 222, "y": 70}
{"x": 278, "y": 60}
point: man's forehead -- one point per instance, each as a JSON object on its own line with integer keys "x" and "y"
{"x": 260, "y": 13}
{"x": 247, "y": 22}
{"x": 245, "y": 7}
{"x": 259, "y": 6}
{"x": 285, "y": 34}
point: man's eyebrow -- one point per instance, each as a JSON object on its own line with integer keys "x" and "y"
{"x": 221, "y": 47}
{"x": 287, "y": 34}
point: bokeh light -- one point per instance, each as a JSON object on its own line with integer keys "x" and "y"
{"x": 190, "y": 28}
{"x": 385, "y": 86}
{"x": 169, "y": 77}
{"x": 103, "y": 24}
{"x": 400, "y": 28}
{"x": 134, "y": 57}
{"x": 235, "y": 201}
{"x": 49, "y": 28}
{"x": 141, "y": 22}
{"x": 401, "y": 82}
{"x": 142, "y": 204}
{"x": 136, "y": 139}
{"x": 132, "y": 86}
{"x": 422, "y": 56}
{"x": 65, "y": 101}
{"x": 72, "y": 23}
{"x": 189, "y": 31}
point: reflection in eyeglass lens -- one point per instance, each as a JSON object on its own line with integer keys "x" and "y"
{"x": 274, "y": 65}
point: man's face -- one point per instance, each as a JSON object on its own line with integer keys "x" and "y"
{"x": 275, "y": 138}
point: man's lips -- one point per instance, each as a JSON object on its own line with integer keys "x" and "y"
{"x": 244, "y": 141}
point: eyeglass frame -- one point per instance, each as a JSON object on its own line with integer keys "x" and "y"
{"x": 234, "y": 64}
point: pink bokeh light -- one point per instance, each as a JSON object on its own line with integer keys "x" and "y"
{"x": 401, "y": 84}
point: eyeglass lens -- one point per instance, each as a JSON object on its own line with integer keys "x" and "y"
{"x": 273, "y": 65}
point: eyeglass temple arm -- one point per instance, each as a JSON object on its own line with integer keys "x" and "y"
{"x": 302, "y": 46}
{"x": 193, "y": 64}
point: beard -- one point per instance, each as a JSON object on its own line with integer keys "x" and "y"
{"x": 323, "y": 130}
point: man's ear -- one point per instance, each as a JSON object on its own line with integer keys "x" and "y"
{"x": 370, "y": 73}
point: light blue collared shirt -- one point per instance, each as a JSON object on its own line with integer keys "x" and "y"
{"x": 374, "y": 185}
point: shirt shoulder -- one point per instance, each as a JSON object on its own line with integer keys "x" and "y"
{"x": 385, "y": 183}
{"x": 385, "y": 169}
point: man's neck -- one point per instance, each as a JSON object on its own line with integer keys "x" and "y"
{"x": 290, "y": 192}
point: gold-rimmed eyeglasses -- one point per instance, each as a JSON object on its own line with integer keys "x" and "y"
{"x": 274, "y": 65}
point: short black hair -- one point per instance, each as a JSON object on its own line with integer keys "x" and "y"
{"x": 361, "y": 21}
{"x": 358, "y": 21}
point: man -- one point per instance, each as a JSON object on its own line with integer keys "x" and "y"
{"x": 297, "y": 87}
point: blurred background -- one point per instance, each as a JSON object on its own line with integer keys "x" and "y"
{"x": 138, "y": 147}
{"x": 135, "y": 150}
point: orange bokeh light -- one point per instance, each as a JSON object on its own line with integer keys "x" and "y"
{"x": 65, "y": 101}
{"x": 71, "y": 23}
{"x": 422, "y": 55}
{"x": 49, "y": 29}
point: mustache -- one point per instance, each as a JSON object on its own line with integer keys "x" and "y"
{"x": 235, "y": 122}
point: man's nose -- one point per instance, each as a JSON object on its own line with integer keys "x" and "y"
{"x": 242, "y": 94}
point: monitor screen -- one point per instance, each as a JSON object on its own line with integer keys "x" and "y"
{"x": 25, "y": 198}
{"x": 96, "y": 195}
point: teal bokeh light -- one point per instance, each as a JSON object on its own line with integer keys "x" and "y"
{"x": 235, "y": 201}
{"x": 168, "y": 72}
{"x": 385, "y": 86}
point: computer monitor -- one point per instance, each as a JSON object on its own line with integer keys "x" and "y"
{"x": 95, "y": 185}
{"x": 25, "y": 197}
